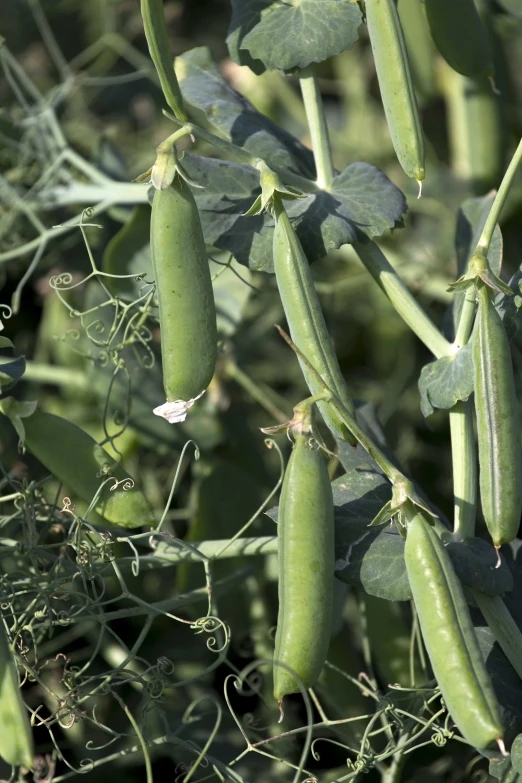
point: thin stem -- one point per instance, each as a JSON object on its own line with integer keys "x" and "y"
{"x": 257, "y": 391}
{"x": 498, "y": 204}
{"x": 159, "y": 48}
{"x": 464, "y": 469}
{"x": 314, "y": 108}
{"x": 505, "y": 629}
{"x": 405, "y": 304}
{"x": 466, "y": 319}
{"x": 57, "y": 376}
{"x": 243, "y": 156}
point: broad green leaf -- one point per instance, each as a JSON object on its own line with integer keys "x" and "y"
{"x": 370, "y": 559}
{"x": 516, "y": 754}
{"x": 319, "y": 29}
{"x": 16, "y": 410}
{"x": 11, "y": 370}
{"x": 245, "y": 15}
{"x": 234, "y": 116}
{"x": 5, "y": 342}
{"x": 444, "y": 382}
{"x": 500, "y": 768}
{"x": 475, "y": 562}
{"x": 363, "y": 201}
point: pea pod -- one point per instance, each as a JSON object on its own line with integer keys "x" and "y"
{"x": 305, "y": 319}
{"x": 498, "y": 426}
{"x": 306, "y": 567}
{"x": 396, "y": 85}
{"x": 421, "y": 51}
{"x": 187, "y": 312}
{"x": 459, "y": 36}
{"x": 16, "y": 739}
{"x": 449, "y": 636}
{"x": 475, "y": 130}
{"x": 78, "y": 462}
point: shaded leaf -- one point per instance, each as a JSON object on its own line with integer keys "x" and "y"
{"x": 500, "y": 768}
{"x": 320, "y": 29}
{"x": 363, "y": 201}
{"x": 516, "y": 754}
{"x": 204, "y": 88}
{"x": 475, "y": 562}
{"x": 11, "y": 370}
{"x": 444, "y": 382}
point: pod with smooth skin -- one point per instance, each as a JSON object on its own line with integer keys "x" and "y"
{"x": 306, "y": 321}
{"x": 449, "y": 636}
{"x": 187, "y": 312}
{"x": 396, "y": 85}
{"x": 475, "y": 131}
{"x": 76, "y": 460}
{"x": 460, "y": 36}
{"x": 16, "y": 738}
{"x": 421, "y": 50}
{"x": 306, "y": 569}
{"x": 498, "y": 425}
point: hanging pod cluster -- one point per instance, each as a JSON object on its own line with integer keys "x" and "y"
{"x": 306, "y": 321}
{"x": 449, "y": 636}
{"x": 187, "y": 311}
{"x": 498, "y": 425}
{"x": 396, "y": 85}
{"x": 306, "y": 566}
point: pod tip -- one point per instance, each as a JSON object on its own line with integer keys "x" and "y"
{"x": 176, "y": 411}
{"x": 502, "y": 747}
{"x": 419, "y": 181}
{"x": 499, "y": 562}
{"x": 281, "y": 711}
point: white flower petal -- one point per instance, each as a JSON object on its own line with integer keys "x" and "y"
{"x": 176, "y": 412}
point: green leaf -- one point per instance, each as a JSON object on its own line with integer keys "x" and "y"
{"x": 319, "y": 29}
{"x": 17, "y": 410}
{"x": 5, "y": 342}
{"x": 370, "y": 559}
{"x": 516, "y": 754}
{"x": 362, "y": 201}
{"x": 512, "y": 7}
{"x": 475, "y": 562}
{"x": 245, "y": 15}
{"x": 444, "y": 382}
{"x": 11, "y": 370}
{"x": 500, "y": 768}
{"x": 229, "y": 112}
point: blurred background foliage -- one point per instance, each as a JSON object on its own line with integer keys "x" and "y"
{"x": 89, "y": 57}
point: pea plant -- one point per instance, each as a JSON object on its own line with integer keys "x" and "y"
{"x": 221, "y": 556}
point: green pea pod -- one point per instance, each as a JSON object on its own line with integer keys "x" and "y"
{"x": 449, "y": 636}
{"x": 421, "y": 51}
{"x": 78, "y": 462}
{"x": 306, "y": 321}
{"x": 16, "y": 739}
{"x": 459, "y": 36}
{"x": 498, "y": 426}
{"x": 396, "y": 85}
{"x": 187, "y": 312}
{"x": 474, "y": 129}
{"x": 306, "y": 567}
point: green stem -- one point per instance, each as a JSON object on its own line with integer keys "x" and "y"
{"x": 405, "y": 304}
{"x": 57, "y": 376}
{"x": 464, "y": 469}
{"x": 243, "y": 156}
{"x": 256, "y": 390}
{"x": 505, "y": 629}
{"x": 466, "y": 319}
{"x": 498, "y": 204}
{"x": 159, "y": 47}
{"x": 314, "y": 108}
